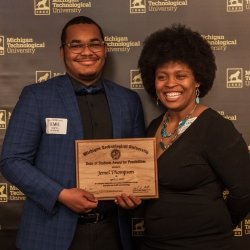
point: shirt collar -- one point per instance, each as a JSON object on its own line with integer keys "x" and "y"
{"x": 81, "y": 89}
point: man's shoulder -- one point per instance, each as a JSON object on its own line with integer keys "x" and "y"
{"x": 112, "y": 84}
{"x": 118, "y": 88}
{"x": 48, "y": 84}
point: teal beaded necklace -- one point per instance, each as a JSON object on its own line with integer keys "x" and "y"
{"x": 175, "y": 133}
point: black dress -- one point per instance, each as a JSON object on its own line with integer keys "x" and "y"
{"x": 191, "y": 213}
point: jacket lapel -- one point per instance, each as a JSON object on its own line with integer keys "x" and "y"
{"x": 115, "y": 108}
{"x": 67, "y": 94}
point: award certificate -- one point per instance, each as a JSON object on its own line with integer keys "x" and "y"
{"x": 108, "y": 168}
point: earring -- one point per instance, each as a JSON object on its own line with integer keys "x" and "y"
{"x": 157, "y": 101}
{"x": 197, "y": 93}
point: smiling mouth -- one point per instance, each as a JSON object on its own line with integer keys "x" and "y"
{"x": 172, "y": 94}
{"x": 87, "y": 59}
{"x": 87, "y": 62}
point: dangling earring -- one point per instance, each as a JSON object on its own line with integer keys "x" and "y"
{"x": 197, "y": 93}
{"x": 157, "y": 101}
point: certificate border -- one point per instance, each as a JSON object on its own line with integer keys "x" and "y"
{"x": 121, "y": 141}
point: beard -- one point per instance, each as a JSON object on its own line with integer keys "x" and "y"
{"x": 89, "y": 77}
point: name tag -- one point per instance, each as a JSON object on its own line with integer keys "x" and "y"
{"x": 56, "y": 126}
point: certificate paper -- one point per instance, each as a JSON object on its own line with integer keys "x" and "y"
{"x": 108, "y": 168}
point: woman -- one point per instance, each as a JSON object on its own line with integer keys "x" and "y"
{"x": 200, "y": 154}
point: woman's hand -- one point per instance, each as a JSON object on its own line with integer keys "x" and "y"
{"x": 128, "y": 201}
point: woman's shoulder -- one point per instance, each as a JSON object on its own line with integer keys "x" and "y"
{"x": 153, "y": 125}
{"x": 215, "y": 125}
{"x": 210, "y": 115}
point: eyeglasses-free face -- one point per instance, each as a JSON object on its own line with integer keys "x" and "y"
{"x": 175, "y": 86}
{"x": 77, "y": 48}
{"x": 84, "y": 52}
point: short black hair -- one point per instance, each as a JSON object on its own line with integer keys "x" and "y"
{"x": 79, "y": 20}
{"x": 180, "y": 44}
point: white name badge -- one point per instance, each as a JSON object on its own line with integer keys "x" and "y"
{"x": 56, "y": 126}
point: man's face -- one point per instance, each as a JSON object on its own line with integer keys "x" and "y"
{"x": 86, "y": 65}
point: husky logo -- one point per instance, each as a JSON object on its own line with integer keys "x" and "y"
{"x": 115, "y": 154}
{"x": 234, "y": 5}
{"x": 135, "y": 79}
{"x": 238, "y": 230}
{"x": 42, "y": 76}
{"x": 3, "y": 192}
{"x": 137, "y": 6}
{"x": 234, "y": 78}
{"x": 3, "y": 119}
{"x": 42, "y": 7}
{"x": 1, "y": 45}
{"x": 137, "y": 227}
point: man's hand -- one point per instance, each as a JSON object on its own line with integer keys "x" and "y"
{"x": 78, "y": 200}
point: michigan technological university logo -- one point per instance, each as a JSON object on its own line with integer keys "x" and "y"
{"x": 3, "y": 119}
{"x": 42, "y": 76}
{"x": 142, "y": 6}
{"x": 234, "y": 78}
{"x": 12, "y": 194}
{"x": 42, "y": 7}
{"x": 5, "y": 114}
{"x": 137, "y": 6}
{"x": 20, "y": 45}
{"x": 243, "y": 228}
{"x": 1, "y": 45}
{"x": 3, "y": 192}
{"x": 120, "y": 44}
{"x": 234, "y": 5}
{"x": 137, "y": 227}
{"x": 135, "y": 79}
{"x": 220, "y": 42}
{"x": 45, "y": 7}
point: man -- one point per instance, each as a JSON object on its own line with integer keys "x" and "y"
{"x": 40, "y": 159}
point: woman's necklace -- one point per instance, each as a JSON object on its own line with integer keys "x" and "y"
{"x": 175, "y": 133}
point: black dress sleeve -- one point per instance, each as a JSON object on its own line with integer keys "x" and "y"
{"x": 228, "y": 155}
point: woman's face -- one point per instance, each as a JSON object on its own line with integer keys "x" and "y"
{"x": 175, "y": 86}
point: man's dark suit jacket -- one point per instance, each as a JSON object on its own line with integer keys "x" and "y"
{"x": 41, "y": 163}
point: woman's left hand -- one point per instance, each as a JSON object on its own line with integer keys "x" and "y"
{"x": 128, "y": 201}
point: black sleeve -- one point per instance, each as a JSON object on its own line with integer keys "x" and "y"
{"x": 229, "y": 157}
